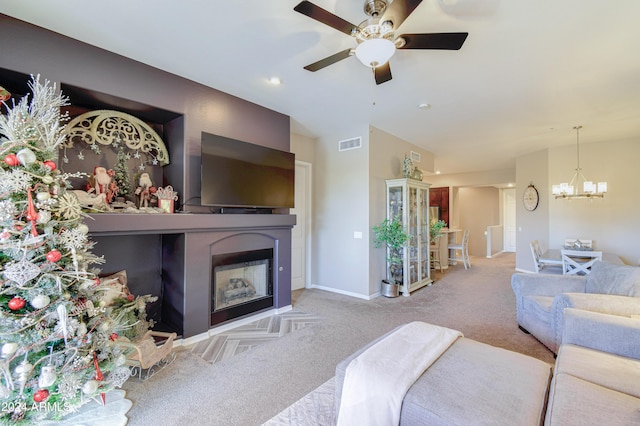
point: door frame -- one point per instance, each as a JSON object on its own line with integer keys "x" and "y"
{"x": 308, "y": 219}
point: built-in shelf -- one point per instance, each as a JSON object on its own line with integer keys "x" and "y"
{"x": 105, "y": 224}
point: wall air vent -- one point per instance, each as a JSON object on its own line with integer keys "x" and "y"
{"x": 415, "y": 156}
{"x": 347, "y": 144}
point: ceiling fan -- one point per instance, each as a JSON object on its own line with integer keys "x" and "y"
{"x": 375, "y": 35}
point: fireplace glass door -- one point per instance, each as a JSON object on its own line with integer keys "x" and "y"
{"x": 242, "y": 283}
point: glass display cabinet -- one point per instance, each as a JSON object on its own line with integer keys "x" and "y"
{"x": 409, "y": 199}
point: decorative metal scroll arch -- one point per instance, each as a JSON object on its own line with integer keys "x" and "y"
{"x": 106, "y": 127}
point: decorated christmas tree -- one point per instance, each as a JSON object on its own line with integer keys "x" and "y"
{"x": 121, "y": 175}
{"x": 58, "y": 329}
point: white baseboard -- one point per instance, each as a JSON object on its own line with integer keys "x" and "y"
{"x": 229, "y": 326}
{"x": 495, "y": 254}
{"x": 346, "y": 293}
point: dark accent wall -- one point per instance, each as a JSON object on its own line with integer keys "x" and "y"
{"x": 170, "y": 264}
{"x": 29, "y": 49}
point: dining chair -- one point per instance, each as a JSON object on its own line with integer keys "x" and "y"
{"x": 540, "y": 263}
{"x": 463, "y": 247}
{"x": 578, "y": 262}
{"x": 434, "y": 253}
{"x": 535, "y": 253}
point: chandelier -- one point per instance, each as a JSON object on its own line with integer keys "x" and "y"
{"x": 578, "y": 182}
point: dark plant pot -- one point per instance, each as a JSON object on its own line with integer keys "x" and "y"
{"x": 389, "y": 289}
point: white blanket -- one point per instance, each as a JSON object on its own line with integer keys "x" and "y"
{"x": 376, "y": 381}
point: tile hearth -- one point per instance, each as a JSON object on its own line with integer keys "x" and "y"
{"x": 245, "y": 337}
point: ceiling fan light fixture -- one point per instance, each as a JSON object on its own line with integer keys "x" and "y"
{"x": 375, "y": 52}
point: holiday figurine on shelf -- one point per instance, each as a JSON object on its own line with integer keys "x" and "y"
{"x": 102, "y": 183}
{"x": 166, "y": 198}
{"x": 145, "y": 190}
{"x": 55, "y": 322}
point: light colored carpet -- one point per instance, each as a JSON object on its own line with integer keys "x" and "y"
{"x": 317, "y": 408}
{"x": 252, "y": 387}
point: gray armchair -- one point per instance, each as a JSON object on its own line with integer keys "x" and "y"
{"x": 541, "y": 299}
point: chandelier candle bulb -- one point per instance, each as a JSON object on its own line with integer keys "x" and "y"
{"x": 589, "y": 187}
{"x": 602, "y": 187}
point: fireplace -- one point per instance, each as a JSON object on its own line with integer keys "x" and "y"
{"x": 241, "y": 284}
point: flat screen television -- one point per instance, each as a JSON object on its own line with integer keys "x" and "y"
{"x": 245, "y": 175}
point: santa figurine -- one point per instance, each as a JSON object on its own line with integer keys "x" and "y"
{"x": 144, "y": 190}
{"x": 112, "y": 189}
{"x": 100, "y": 182}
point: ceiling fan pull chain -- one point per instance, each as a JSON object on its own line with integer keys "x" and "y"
{"x": 373, "y": 86}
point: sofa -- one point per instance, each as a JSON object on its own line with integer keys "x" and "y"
{"x": 542, "y": 298}
{"x": 596, "y": 380}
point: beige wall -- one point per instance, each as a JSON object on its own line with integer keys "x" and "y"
{"x": 386, "y": 154}
{"x": 532, "y": 169}
{"x": 611, "y": 222}
{"x": 486, "y": 178}
{"x": 349, "y": 195}
{"x": 303, "y": 147}
{"x": 341, "y": 207}
{"x": 478, "y": 208}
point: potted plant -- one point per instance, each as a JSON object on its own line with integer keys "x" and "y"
{"x": 435, "y": 229}
{"x": 391, "y": 234}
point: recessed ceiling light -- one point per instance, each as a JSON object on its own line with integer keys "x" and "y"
{"x": 275, "y": 81}
{"x": 424, "y": 106}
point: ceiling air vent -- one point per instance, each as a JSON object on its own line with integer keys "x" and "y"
{"x": 415, "y": 156}
{"x": 347, "y": 144}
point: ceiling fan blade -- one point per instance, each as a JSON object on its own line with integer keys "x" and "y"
{"x": 324, "y": 16}
{"x": 443, "y": 41}
{"x": 399, "y": 10}
{"x": 382, "y": 73}
{"x": 329, "y": 60}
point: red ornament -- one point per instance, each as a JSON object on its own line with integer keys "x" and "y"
{"x": 113, "y": 337}
{"x": 53, "y": 256}
{"x": 17, "y": 303}
{"x": 41, "y": 395}
{"x": 50, "y": 165}
{"x": 96, "y": 281}
{"x": 11, "y": 160}
{"x": 99, "y": 376}
{"x": 32, "y": 214}
{"x": 130, "y": 297}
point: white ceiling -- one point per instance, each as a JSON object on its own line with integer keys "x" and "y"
{"x": 529, "y": 71}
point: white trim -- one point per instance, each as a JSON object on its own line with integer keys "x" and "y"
{"x": 309, "y": 219}
{"x": 346, "y": 293}
{"x": 230, "y": 326}
{"x": 495, "y": 254}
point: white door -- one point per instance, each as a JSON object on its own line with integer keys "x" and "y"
{"x": 509, "y": 203}
{"x": 299, "y": 234}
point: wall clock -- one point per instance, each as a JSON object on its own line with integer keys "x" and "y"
{"x": 530, "y": 198}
